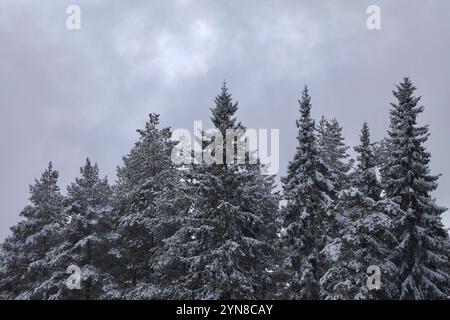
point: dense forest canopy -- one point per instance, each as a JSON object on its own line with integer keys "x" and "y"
{"x": 166, "y": 230}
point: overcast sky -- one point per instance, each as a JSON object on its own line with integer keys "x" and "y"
{"x": 66, "y": 95}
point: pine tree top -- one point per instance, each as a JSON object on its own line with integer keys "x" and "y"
{"x": 223, "y": 113}
{"x": 366, "y": 158}
{"x": 89, "y": 173}
{"x": 47, "y": 185}
{"x": 305, "y": 104}
{"x": 406, "y": 172}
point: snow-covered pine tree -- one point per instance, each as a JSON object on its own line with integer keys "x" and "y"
{"x": 149, "y": 205}
{"x": 225, "y": 243}
{"x": 307, "y": 190}
{"x": 32, "y": 238}
{"x": 365, "y": 235}
{"x": 82, "y": 241}
{"x": 423, "y": 251}
{"x": 333, "y": 151}
{"x": 365, "y": 176}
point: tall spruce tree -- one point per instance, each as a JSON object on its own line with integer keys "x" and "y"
{"x": 82, "y": 239}
{"x": 225, "y": 243}
{"x": 423, "y": 251}
{"x": 307, "y": 189}
{"x": 365, "y": 235}
{"x": 32, "y": 238}
{"x": 149, "y": 204}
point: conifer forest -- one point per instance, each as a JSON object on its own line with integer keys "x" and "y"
{"x": 224, "y": 157}
{"x": 223, "y": 231}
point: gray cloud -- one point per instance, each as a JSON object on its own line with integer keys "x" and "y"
{"x": 67, "y": 94}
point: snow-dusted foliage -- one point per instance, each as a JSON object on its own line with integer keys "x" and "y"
{"x": 149, "y": 205}
{"x": 224, "y": 246}
{"x": 365, "y": 235}
{"x": 365, "y": 239}
{"x": 25, "y": 251}
{"x": 333, "y": 151}
{"x": 307, "y": 189}
{"x": 85, "y": 224}
{"x": 220, "y": 231}
{"x": 423, "y": 250}
{"x": 365, "y": 176}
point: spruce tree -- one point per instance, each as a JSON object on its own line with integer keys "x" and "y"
{"x": 82, "y": 239}
{"x": 423, "y": 251}
{"x": 25, "y": 251}
{"x": 307, "y": 190}
{"x": 365, "y": 235}
{"x": 149, "y": 204}
{"x": 225, "y": 243}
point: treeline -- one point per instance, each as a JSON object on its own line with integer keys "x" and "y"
{"x": 221, "y": 231}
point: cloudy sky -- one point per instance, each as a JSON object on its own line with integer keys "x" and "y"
{"x": 69, "y": 94}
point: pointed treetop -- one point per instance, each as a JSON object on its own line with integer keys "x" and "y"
{"x": 365, "y": 125}
{"x": 323, "y": 121}
{"x": 364, "y": 149}
{"x": 365, "y": 175}
{"x": 89, "y": 172}
{"x": 150, "y": 125}
{"x": 305, "y": 102}
{"x": 224, "y": 86}
{"x": 305, "y": 90}
{"x": 365, "y": 156}
{"x": 154, "y": 120}
{"x": 224, "y": 110}
{"x": 45, "y": 187}
{"x": 88, "y": 163}
{"x": 365, "y": 135}
{"x": 49, "y": 176}
{"x": 405, "y": 92}
{"x": 305, "y": 94}
{"x": 406, "y": 84}
{"x": 305, "y": 110}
